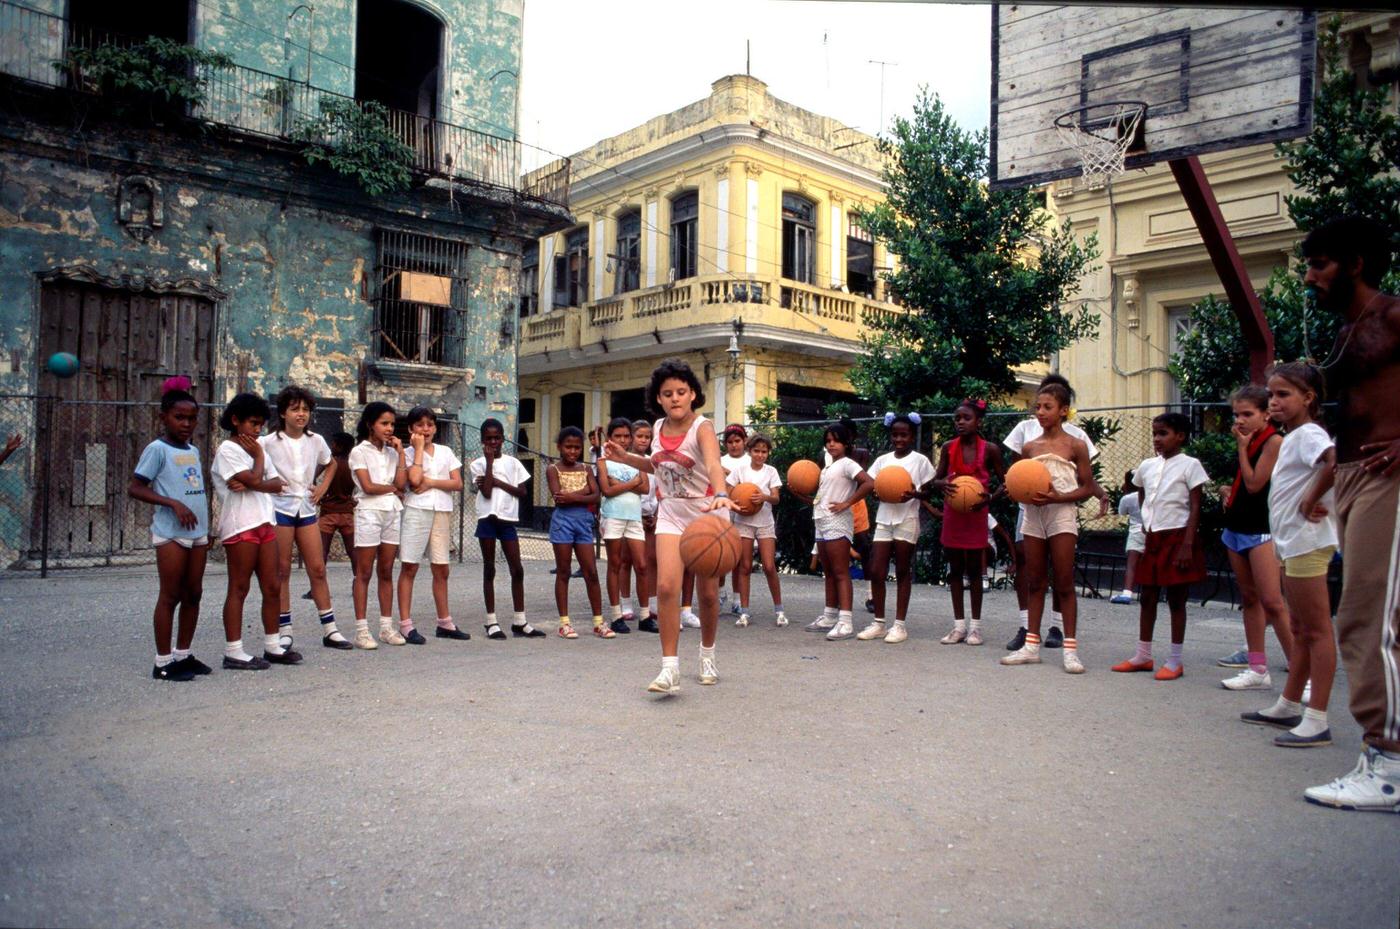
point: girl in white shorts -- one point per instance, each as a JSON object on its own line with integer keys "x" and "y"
{"x": 434, "y": 474}
{"x": 622, "y": 487}
{"x": 897, "y": 528}
{"x": 689, "y": 483}
{"x": 843, "y": 484}
{"x": 758, "y": 528}
{"x": 381, "y": 474}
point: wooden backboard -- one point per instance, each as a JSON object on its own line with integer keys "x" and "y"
{"x": 1213, "y": 79}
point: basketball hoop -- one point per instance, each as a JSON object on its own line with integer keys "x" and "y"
{"x": 1102, "y": 134}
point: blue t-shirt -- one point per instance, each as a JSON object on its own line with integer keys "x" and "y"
{"x": 623, "y": 506}
{"x": 176, "y": 473}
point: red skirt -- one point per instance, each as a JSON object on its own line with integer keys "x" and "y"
{"x": 1157, "y": 566}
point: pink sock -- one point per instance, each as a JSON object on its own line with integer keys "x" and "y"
{"x": 445, "y": 622}
{"x": 1143, "y": 653}
{"x": 405, "y": 625}
{"x": 1258, "y": 663}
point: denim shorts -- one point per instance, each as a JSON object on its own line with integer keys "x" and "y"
{"x": 571, "y": 525}
{"x": 1239, "y": 543}
{"x": 493, "y": 527}
{"x": 286, "y": 519}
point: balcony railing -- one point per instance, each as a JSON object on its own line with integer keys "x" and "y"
{"x": 266, "y": 105}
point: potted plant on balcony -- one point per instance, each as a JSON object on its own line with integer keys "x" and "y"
{"x": 152, "y": 80}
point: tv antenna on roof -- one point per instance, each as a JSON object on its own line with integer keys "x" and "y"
{"x": 883, "y": 65}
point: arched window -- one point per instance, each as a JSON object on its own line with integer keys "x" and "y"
{"x": 629, "y": 252}
{"x": 685, "y": 213}
{"x": 799, "y": 239}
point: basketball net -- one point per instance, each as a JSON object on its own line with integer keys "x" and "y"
{"x": 1102, "y": 148}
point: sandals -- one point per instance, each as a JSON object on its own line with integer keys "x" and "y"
{"x": 603, "y": 632}
{"x": 566, "y": 631}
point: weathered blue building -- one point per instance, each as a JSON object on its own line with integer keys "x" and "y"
{"x": 337, "y": 203}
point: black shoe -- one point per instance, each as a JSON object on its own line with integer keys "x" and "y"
{"x": 415, "y": 637}
{"x": 252, "y": 664}
{"x": 307, "y": 596}
{"x": 494, "y": 631}
{"x": 343, "y": 643}
{"x": 1054, "y": 638}
{"x": 620, "y": 627}
{"x": 287, "y": 657}
{"x": 192, "y": 665}
{"x": 457, "y": 634}
{"x": 648, "y": 625}
{"x": 1019, "y": 640}
{"x": 171, "y": 672}
{"x": 526, "y": 631}
{"x": 1278, "y": 722}
{"x": 870, "y": 606}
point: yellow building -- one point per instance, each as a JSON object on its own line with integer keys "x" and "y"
{"x": 721, "y": 233}
{"x": 1154, "y": 265}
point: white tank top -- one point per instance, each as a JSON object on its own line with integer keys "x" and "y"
{"x": 680, "y": 471}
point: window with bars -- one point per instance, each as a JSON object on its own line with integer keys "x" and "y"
{"x": 530, "y": 281}
{"x": 421, "y": 299}
{"x": 571, "y": 270}
{"x": 860, "y": 260}
{"x": 799, "y": 239}
{"x": 685, "y": 214}
{"x": 629, "y": 252}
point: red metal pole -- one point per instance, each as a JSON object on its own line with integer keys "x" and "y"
{"x": 1200, "y": 199}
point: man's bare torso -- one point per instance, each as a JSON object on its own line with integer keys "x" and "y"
{"x": 1365, "y": 379}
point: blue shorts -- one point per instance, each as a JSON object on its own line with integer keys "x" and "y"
{"x": 296, "y": 522}
{"x": 493, "y": 527}
{"x": 571, "y": 525}
{"x": 1239, "y": 543}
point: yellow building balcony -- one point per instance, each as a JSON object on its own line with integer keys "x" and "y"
{"x": 699, "y": 313}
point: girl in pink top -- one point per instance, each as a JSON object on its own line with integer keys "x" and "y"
{"x": 689, "y": 483}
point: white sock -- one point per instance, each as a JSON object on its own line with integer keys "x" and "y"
{"x": 1127, "y": 593}
{"x": 362, "y": 625}
{"x": 1025, "y": 618}
{"x": 1055, "y": 619}
{"x": 1314, "y": 722}
{"x": 671, "y": 661}
{"x": 180, "y": 654}
{"x": 616, "y": 610}
{"x": 491, "y": 620}
{"x": 519, "y": 619}
{"x": 899, "y": 624}
{"x": 163, "y": 660}
{"x": 829, "y": 612}
{"x": 707, "y": 652}
{"x": 272, "y": 644}
{"x": 651, "y": 605}
{"x": 235, "y": 651}
{"x": 844, "y": 616}
{"x": 976, "y": 625}
{"x": 1282, "y": 707}
{"x": 386, "y": 623}
{"x": 959, "y": 625}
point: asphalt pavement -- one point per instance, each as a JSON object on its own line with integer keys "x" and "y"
{"x": 534, "y": 783}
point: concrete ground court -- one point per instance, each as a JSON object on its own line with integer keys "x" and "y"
{"x": 534, "y": 783}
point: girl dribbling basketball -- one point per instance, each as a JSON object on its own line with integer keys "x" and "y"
{"x": 685, "y": 461}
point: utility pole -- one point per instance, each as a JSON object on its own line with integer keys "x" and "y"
{"x": 882, "y": 64}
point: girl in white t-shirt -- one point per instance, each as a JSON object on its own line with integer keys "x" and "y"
{"x": 381, "y": 474}
{"x": 304, "y": 461}
{"x": 244, "y": 481}
{"x": 843, "y": 484}
{"x": 758, "y": 528}
{"x": 897, "y": 528}
{"x": 434, "y": 475}
{"x": 500, "y": 481}
{"x": 1300, "y": 504}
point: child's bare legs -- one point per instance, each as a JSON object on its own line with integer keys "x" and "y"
{"x": 880, "y": 553}
{"x": 1147, "y": 613}
{"x": 768, "y": 557}
{"x": 563, "y": 562}
{"x": 616, "y": 572}
{"x": 242, "y": 559}
{"x": 192, "y": 590}
{"x": 384, "y": 570}
{"x": 269, "y": 586}
{"x": 1268, "y": 584}
{"x": 1062, "y": 566}
{"x": 181, "y": 572}
{"x": 903, "y": 578}
{"x": 669, "y": 571}
{"x": 1315, "y": 651}
{"x": 1130, "y": 570}
{"x": 407, "y": 574}
{"x": 744, "y": 572}
{"x": 837, "y": 563}
{"x": 1022, "y": 576}
{"x": 440, "y": 572}
{"x": 511, "y": 550}
{"x": 635, "y": 558}
{"x": 707, "y": 593}
{"x": 364, "y": 558}
{"x": 687, "y": 591}
{"x": 1036, "y": 572}
{"x": 955, "y": 558}
{"x": 488, "y": 574}
{"x": 589, "y": 563}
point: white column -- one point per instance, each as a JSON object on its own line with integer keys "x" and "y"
{"x": 545, "y": 432}
{"x": 750, "y": 385}
{"x": 751, "y": 229}
{"x": 720, "y": 386}
{"x": 547, "y": 272}
{"x": 650, "y": 233}
{"x": 722, "y": 225}
{"x": 597, "y": 409}
{"x": 838, "y": 272}
{"x": 599, "y": 256}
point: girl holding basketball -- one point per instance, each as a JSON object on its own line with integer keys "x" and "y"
{"x": 758, "y": 528}
{"x": 843, "y": 484}
{"x": 896, "y": 527}
{"x": 574, "y": 490}
{"x": 964, "y": 535}
{"x": 1050, "y": 523}
{"x": 690, "y": 482}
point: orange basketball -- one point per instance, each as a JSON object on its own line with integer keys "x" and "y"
{"x": 1026, "y": 478}
{"x": 891, "y": 483}
{"x": 803, "y": 477}
{"x": 964, "y": 493}
{"x": 710, "y": 546}
{"x": 746, "y": 497}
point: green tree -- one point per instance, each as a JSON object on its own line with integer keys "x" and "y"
{"x": 984, "y": 276}
{"x": 1346, "y": 165}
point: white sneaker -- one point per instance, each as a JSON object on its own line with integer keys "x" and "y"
{"x": 842, "y": 630}
{"x": 1072, "y": 663}
{"x": 780, "y": 619}
{"x": 667, "y": 682}
{"x": 689, "y": 620}
{"x": 896, "y": 634}
{"x": 955, "y": 636}
{"x": 821, "y": 623}
{"x": 708, "y": 674}
{"x": 1248, "y": 679}
{"x": 875, "y": 630}
{"x": 1026, "y": 654}
{"x": 742, "y": 621}
{"x": 1373, "y": 785}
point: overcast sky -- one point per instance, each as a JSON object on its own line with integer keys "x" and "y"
{"x": 594, "y": 68}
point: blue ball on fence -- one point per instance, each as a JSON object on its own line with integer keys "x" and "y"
{"x": 64, "y": 364}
